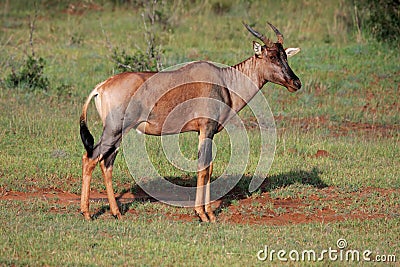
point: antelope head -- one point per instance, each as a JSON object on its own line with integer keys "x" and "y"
{"x": 273, "y": 59}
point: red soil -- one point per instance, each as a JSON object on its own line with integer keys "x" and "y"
{"x": 327, "y": 205}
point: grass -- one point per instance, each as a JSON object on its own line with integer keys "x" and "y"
{"x": 346, "y": 107}
{"x": 37, "y": 237}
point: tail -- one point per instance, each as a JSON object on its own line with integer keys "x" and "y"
{"x": 86, "y": 136}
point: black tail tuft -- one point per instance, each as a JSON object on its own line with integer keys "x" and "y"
{"x": 87, "y": 138}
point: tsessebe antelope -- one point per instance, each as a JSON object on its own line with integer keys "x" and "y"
{"x": 122, "y": 106}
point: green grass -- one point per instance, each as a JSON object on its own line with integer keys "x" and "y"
{"x": 37, "y": 237}
{"x": 348, "y": 107}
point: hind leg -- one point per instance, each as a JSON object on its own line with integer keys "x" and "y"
{"x": 88, "y": 165}
{"x": 106, "y": 169}
{"x": 104, "y": 152}
{"x": 107, "y": 150}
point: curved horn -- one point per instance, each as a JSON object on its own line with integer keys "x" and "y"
{"x": 278, "y": 34}
{"x": 264, "y": 39}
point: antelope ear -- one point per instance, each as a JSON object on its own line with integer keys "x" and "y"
{"x": 257, "y": 48}
{"x": 292, "y": 51}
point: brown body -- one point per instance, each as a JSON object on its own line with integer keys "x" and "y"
{"x": 198, "y": 97}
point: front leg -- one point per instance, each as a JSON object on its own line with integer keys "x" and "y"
{"x": 199, "y": 204}
{"x": 202, "y": 204}
{"x": 208, "y": 208}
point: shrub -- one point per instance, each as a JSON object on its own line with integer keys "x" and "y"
{"x": 138, "y": 61}
{"x": 221, "y": 7}
{"x": 64, "y": 90}
{"x": 381, "y": 18}
{"x": 150, "y": 60}
{"x": 29, "y": 76}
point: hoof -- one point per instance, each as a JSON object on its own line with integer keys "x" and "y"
{"x": 86, "y": 215}
{"x": 203, "y": 217}
{"x": 117, "y": 216}
{"x": 212, "y": 217}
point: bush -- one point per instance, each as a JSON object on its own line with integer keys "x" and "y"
{"x": 150, "y": 60}
{"x": 30, "y": 75}
{"x": 139, "y": 61}
{"x": 221, "y": 7}
{"x": 381, "y": 18}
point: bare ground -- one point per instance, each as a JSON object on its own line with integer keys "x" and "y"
{"x": 324, "y": 205}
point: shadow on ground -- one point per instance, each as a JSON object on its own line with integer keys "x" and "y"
{"x": 239, "y": 192}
